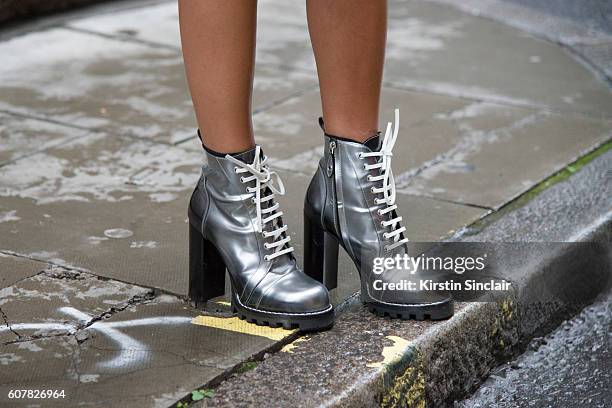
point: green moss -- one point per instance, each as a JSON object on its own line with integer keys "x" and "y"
{"x": 244, "y": 367}
{"x": 570, "y": 169}
{"x": 523, "y": 199}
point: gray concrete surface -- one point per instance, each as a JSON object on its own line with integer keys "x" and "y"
{"x": 98, "y": 157}
{"x": 109, "y": 343}
{"x": 569, "y": 367}
{"x": 583, "y": 27}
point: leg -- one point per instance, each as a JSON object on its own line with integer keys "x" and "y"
{"x": 226, "y": 234}
{"x": 348, "y": 38}
{"x": 218, "y": 39}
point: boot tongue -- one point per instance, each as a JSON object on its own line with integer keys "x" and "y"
{"x": 373, "y": 143}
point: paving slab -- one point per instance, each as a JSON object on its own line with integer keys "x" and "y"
{"x": 565, "y": 21}
{"x": 122, "y": 87}
{"x": 426, "y": 39}
{"x": 156, "y": 24}
{"x": 282, "y": 36}
{"x": 282, "y": 32}
{"x": 21, "y": 136}
{"x": 43, "y": 305}
{"x": 577, "y": 25}
{"x": 129, "y": 197}
{"x": 90, "y": 336}
{"x": 491, "y": 167}
{"x": 14, "y": 268}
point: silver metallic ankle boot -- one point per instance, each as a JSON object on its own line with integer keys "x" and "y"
{"x": 351, "y": 202}
{"x": 236, "y": 224}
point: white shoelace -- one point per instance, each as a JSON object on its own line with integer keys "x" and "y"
{"x": 388, "y": 184}
{"x": 263, "y": 177}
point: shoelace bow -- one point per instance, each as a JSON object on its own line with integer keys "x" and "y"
{"x": 388, "y": 184}
{"x": 265, "y": 178}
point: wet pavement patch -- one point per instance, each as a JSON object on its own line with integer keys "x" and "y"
{"x": 15, "y": 268}
{"x": 90, "y": 336}
{"x": 426, "y": 39}
{"x": 129, "y": 197}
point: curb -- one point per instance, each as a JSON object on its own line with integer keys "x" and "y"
{"x": 369, "y": 361}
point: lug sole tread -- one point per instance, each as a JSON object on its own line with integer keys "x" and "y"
{"x": 420, "y": 313}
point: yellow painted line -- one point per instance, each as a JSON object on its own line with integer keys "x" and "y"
{"x": 234, "y": 324}
{"x": 393, "y": 352}
{"x": 288, "y": 348}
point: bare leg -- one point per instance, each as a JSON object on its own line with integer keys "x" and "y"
{"x": 218, "y": 39}
{"x": 348, "y": 38}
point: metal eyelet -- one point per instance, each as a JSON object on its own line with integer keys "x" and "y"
{"x": 360, "y": 155}
{"x": 372, "y": 190}
{"x": 364, "y": 167}
{"x": 266, "y": 245}
{"x": 386, "y": 248}
{"x": 235, "y": 169}
{"x": 378, "y": 212}
{"x": 266, "y": 258}
{"x": 242, "y": 180}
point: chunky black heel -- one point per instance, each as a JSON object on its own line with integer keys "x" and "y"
{"x": 320, "y": 252}
{"x": 206, "y": 268}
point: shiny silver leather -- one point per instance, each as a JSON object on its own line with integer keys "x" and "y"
{"x": 340, "y": 199}
{"x": 225, "y": 213}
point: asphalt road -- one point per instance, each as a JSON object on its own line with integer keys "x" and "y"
{"x": 570, "y": 367}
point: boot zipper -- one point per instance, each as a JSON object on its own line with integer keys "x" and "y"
{"x": 330, "y": 162}
{"x": 331, "y": 169}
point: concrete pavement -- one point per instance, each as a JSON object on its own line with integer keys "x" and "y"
{"x": 98, "y": 157}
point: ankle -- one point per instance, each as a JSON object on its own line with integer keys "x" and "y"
{"x": 233, "y": 149}
{"x": 223, "y": 154}
{"x": 350, "y": 132}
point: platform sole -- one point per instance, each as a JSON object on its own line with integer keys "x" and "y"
{"x": 435, "y": 311}
{"x": 313, "y": 321}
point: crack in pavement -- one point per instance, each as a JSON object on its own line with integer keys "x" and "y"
{"x": 80, "y": 327}
{"x": 133, "y": 301}
{"x": 123, "y": 38}
{"x": 88, "y": 272}
{"x": 48, "y": 262}
{"x": 6, "y": 322}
